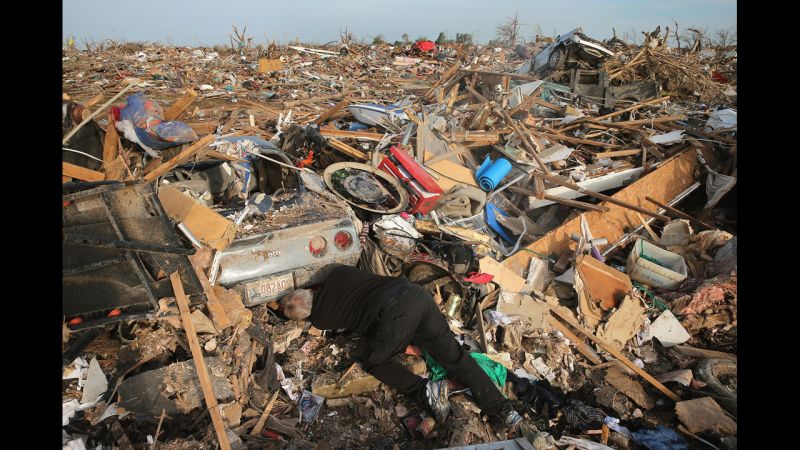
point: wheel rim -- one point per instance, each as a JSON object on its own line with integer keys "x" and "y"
{"x": 554, "y": 57}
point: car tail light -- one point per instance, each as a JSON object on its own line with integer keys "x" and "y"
{"x": 343, "y": 240}
{"x": 317, "y": 246}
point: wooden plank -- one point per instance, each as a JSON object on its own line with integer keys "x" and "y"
{"x": 218, "y": 316}
{"x": 703, "y": 353}
{"x": 199, "y": 362}
{"x": 617, "y": 354}
{"x": 618, "y": 153}
{"x": 654, "y": 101}
{"x": 562, "y": 201}
{"x": 93, "y": 101}
{"x": 347, "y": 150}
{"x": 366, "y": 135}
{"x": 526, "y": 103}
{"x": 451, "y": 99}
{"x": 481, "y": 325}
{"x": 445, "y": 76}
{"x": 646, "y": 225}
{"x": 574, "y": 140}
{"x": 660, "y": 119}
{"x": 477, "y": 94}
{"x": 679, "y": 213}
{"x": 314, "y": 99}
{"x": 510, "y": 122}
{"x": 117, "y": 169}
{"x": 177, "y": 108}
{"x": 705, "y": 414}
{"x": 98, "y": 111}
{"x": 584, "y": 349}
{"x": 180, "y": 158}
{"x": 513, "y": 76}
{"x": 331, "y": 111}
{"x": 671, "y": 178}
{"x": 219, "y": 155}
{"x": 111, "y": 141}
{"x": 548, "y": 105}
{"x": 234, "y": 116}
{"x": 203, "y": 128}
{"x": 624, "y": 204}
{"x": 444, "y": 156}
{"x": 81, "y": 173}
{"x": 266, "y": 65}
{"x": 263, "y": 419}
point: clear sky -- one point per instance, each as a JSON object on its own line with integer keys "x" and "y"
{"x": 208, "y": 22}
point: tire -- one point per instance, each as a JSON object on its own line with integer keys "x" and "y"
{"x": 556, "y": 58}
{"x": 712, "y": 371}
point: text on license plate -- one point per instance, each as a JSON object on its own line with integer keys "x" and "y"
{"x": 269, "y": 287}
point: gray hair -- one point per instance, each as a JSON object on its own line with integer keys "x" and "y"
{"x": 297, "y": 304}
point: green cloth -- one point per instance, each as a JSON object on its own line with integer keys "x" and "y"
{"x": 495, "y": 370}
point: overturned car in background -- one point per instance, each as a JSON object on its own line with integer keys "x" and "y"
{"x": 576, "y": 61}
{"x": 570, "y": 50}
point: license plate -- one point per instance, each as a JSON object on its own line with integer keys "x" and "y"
{"x": 268, "y": 288}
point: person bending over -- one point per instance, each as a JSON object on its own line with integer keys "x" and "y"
{"x": 393, "y": 313}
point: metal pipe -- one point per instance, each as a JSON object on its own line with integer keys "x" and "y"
{"x": 189, "y": 235}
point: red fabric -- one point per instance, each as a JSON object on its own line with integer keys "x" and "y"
{"x": 718, "y": 77}
{"x": 309, "y": 159}
{"x": 425, "y": 46}
{"x": 479, "y": 278}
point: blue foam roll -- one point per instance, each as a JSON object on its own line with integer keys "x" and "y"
{"x": 492, "y": 175}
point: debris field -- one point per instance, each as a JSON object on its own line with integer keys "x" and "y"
{"x": 572, "y": 210}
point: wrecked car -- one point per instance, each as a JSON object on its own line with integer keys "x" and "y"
{"x": 290, "y": 246}
{"x": 568, "y": 49}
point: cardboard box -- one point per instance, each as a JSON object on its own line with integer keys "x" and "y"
{"x": 669, "y": 272}
{"x": 606, "y": 286}
{"x": 269, "y": 65}
{"x": 207, "y": 225}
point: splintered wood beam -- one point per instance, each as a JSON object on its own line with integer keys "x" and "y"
{"x": 477, "y": 94}
{"x": 522, "y": 136}
{"x": 654, "y": 120}
{"x": 574, "y": 140}
{"x": 578, "y": 122}
{"x": 556, "y": 180}
{"x": 512, "y": 76}
{"x": 177, "y": 108}
{"x": 347, "y": 150}
{"x": 679, "y": 213}
{"x": 445, "y": 76}
{"x": 617, "y": 354}
{"x": 562, "y": 201}
{"x": 81, "y": 173}
{"x": 180, "y": 158}
{"x": 331, "y": 111}
{"x": 618, "y": 153}
{"x": 366, "y": 135}
{"x": 199, "y": 362}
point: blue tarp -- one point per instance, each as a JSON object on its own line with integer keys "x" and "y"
{"x": 147, "y": 117}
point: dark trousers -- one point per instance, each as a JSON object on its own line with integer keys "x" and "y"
{"x": 414, "y": 318}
